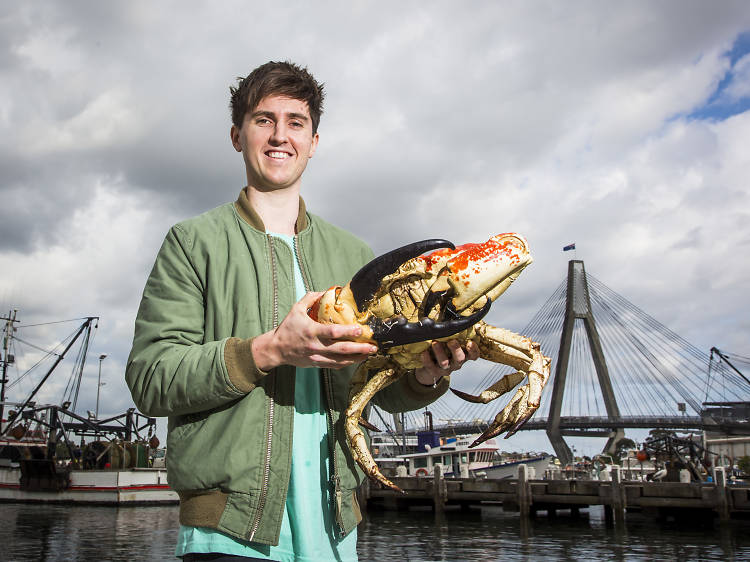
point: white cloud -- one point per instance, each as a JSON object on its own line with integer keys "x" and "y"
{"x": 50, "y": 50}
{"x": 108, "y": 120}
{"x": 739, "y": 87}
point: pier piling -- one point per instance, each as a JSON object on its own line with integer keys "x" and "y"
{"x": 618, "y": 496}
{"x": 722, "y": 503}
{"x": 524, "y": 491}
{"x": 439, "y": 489}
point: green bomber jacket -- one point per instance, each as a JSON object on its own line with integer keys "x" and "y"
{"x": 218, "y": 281}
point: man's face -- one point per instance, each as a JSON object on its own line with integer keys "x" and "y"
{"x": 276, "y": 141}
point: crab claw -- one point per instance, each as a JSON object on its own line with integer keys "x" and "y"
{"x": 390, "y": 333}
{"x": 367, "y": 280}
{"x": 524, "y": 403}
{"x": 510, "y": 419}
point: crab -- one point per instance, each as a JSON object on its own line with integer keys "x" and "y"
{"x": 406, "y": 299}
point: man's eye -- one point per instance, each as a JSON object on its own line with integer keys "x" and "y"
{"x": 263, "y": 121}
{"x": 296, "y": 124}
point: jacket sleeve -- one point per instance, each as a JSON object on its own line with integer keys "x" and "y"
{"x": 171, "y": 370}
{"x": 408, "y": 394}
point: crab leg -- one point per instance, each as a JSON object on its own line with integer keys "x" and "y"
{"x": 357, "y": 442}
{"x": 504, "y": 385}
{"x": 508, "y": 348}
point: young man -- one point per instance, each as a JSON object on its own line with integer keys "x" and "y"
{"x": 253, "y": 388}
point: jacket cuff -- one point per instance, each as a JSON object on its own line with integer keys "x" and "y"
{"x": 419, "y": 390}
{"x": 241, "y": 368}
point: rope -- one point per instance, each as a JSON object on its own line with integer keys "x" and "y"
{"x": 51, "y": 323}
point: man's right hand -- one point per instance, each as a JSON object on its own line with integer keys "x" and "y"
{"x": 301, "y": 341}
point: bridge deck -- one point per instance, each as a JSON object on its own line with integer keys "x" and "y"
{"x": 604, "y": 423}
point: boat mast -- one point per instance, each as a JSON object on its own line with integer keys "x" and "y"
{"x": 86, "y": 326}
{"x": 6, "y": 359}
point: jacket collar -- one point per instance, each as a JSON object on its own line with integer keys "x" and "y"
{"x": 248, "y": 214}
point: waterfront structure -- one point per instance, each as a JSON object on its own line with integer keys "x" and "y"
{"x": 530, "y": 496}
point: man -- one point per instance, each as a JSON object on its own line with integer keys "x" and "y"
{"x": 254, "y": 388}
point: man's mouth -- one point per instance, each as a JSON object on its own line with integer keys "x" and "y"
{"x": 278, "y": 155}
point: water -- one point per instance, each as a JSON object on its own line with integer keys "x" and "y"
{"x": 52, "y": 532}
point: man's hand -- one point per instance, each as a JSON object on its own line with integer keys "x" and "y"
{"x": 301, "y": 341}
{"x": 444, "y": 358}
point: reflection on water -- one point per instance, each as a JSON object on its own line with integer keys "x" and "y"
{"x": 53, "y": 532}
{"x": 58, "y": 532}
{"x": 492, "y": 534}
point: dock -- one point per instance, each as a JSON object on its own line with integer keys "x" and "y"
{"x": 530, "y": 496}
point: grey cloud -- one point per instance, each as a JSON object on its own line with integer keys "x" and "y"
{"x": 556, "y": 120}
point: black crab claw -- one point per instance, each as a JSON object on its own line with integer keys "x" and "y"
{"x": 390, "y": 333}
{"x": 367, "y": 280}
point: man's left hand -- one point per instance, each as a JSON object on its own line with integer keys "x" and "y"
{"x": 444, "y": 358}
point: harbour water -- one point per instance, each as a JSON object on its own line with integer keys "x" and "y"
{"x": 55, "y": 532}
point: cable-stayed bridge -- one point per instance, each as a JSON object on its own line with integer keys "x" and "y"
{"x": 614, "y": 367}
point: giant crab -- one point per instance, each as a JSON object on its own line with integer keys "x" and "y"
{"x": 403, "y": 300}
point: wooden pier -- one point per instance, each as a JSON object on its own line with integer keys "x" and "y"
{"x": 662, "y": 499}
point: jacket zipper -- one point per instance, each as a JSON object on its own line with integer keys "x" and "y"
{"x": 335, "y": 479}
{"x": 269, "y": 437}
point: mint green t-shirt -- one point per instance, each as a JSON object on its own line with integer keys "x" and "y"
{"x": 308, "y": 529}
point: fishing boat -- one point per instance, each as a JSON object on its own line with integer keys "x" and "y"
{"x": 51, "y": 453}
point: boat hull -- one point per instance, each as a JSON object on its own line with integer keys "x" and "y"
{"x": 510, "y": 469}
{"x": 138, "y": 486}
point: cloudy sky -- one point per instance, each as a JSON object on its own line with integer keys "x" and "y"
{"x": 622, "y": 127}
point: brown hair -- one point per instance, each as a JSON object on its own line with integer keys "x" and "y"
{"x": 280, "y": 79}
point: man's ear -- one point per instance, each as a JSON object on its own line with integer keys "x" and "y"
{"x": 234, "y": 135}
{"x": 314, "y": 145}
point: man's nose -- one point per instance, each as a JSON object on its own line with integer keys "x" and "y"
{"x": 279, "y": 135}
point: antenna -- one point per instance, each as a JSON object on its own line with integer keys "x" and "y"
{"x": 7, "y": 359}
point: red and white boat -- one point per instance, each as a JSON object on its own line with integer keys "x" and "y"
{"x": 137, "y": 486}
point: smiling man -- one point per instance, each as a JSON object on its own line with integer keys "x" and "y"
{"x": 253, "y": 388}
{"x": 276, "y": 141}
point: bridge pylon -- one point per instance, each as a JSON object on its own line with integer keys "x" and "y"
{"x": 578, "y": 308}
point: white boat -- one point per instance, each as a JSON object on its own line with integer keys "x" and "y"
{"x": 457, "y": 460}
{"x": 509, "y": 469}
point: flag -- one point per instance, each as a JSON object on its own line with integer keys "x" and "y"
{"x": 569, "y": 247}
